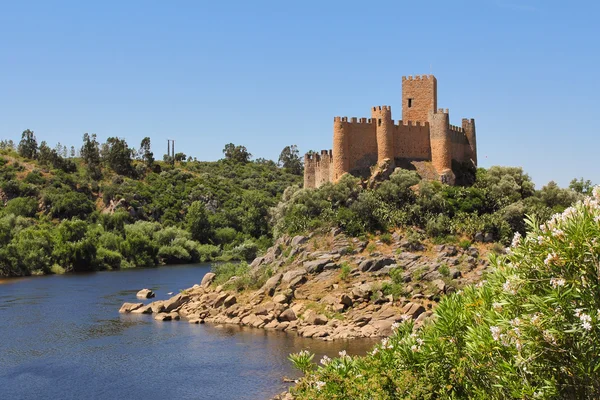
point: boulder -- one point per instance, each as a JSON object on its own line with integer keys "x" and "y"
{"x": 312, "y": 318}
{"x": 175, "y": 302}
{"x": 288, "y": 315}
{"x": 384, "y": 327}
{"x": 220, "y": 300}
{"x": 439, "y": 285}
{"x": 129, "y": 307}
{"x": 316, "y": 266}
{"x": 280, "y": 298}
{"x": 298, "y": 240}
{"x": 229, "y": 301}
{"x": 207, "y": 279}
{"x": 380, "y": 263}
{"x": 293, "y": 274}
{"x": 163, "y": 317}
{"x": 362, "y": 291}
{"x": 271, "y": 284}
{"x": 413, "y": 310}
{"x": 143, "y": 310}
{"x": 346, "y": 300}
{"x": 145, "y": 294}
{"x": 157, "y": 306}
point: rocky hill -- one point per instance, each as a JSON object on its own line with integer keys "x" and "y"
{"x": 330, "y": 286}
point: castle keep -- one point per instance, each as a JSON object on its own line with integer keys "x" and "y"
{"x": 423, "y": 135}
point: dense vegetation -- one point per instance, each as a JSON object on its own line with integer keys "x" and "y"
{"x": 110, "y": 206}
{"x": 530, "y": 331}
{"x": 495, "y": 205}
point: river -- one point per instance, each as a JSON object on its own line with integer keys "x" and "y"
{"x": 61, "y": 337}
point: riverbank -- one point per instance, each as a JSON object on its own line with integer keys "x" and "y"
{"x": 331, "y": 287}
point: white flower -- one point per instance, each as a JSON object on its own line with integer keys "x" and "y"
{"x": 556, "y": 282}
{"x": 578, "y": 312}
{"x": 415, "y": 348}
{"x": 596, "y": 192}
{"x": 325, "y": 360}
{"x": 319, "y": 384}
{"x": 549, "y": 337}
{"x": 515, "y": 322}
{"x": 509, "y": 287}
{"x": 420, "y": 341}
{"x": 540, "y": 239}
{"x": 395, "y": 326}
{"x": 551, "y": 258}
{"x": 384, "y": 342}
{"x": 497, "y": 307}
{"x": 375, "y": 351}
{"x": 496, "y": 330}
{"x": 406, "y": 317}
{"x": 585, "y": 318}
{"x": 343, "y": 353}
{"x": 535, "y": 319}
{"x": 586, "y": 325}
{"x": 516, "y": 240}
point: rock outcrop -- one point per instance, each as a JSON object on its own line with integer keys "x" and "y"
{"x": 330, "y": 287}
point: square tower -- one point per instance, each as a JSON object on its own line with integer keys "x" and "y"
{"x": 419, "y": 97}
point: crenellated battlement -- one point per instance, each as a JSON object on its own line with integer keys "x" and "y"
{"x": 424, "y": 133}
{"x": 456, "y": 128}
{"x": 412, "y": 123}
{"x": 418, "y": 78}
{"x": 382, "y": 108}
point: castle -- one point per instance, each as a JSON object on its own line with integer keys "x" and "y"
{"x": 423, "y": 135}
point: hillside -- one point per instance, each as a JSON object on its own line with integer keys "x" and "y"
{"x": 115, "y": 208}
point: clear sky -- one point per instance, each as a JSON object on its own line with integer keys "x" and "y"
{"x": 266, "y": 74}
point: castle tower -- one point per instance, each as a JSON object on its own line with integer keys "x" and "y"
{"x": 468, "y": 126}
{"x": 382, "y": 116}
{"x": 441, "y": 145}
{"x": 340, "y": 162}
{"x": 309, "y": 170}
{"x": 419, "y": 97}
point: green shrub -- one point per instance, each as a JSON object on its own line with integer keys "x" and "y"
{"x": 386, "y": 238}
{"x": 530, "y": 331}
{"x": 465, "y": 244}
{"x": 345, "y": 271}
{"x": 444, "y": 270}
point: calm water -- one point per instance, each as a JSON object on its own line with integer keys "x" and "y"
{"x": 61, "y": 337}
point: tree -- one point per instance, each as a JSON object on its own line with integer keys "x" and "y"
{"x": 28, "y": 145}
{"x": 145, "y": 154}
{"x": 197, "y": 223}
{"x": 581, "y": 186}
{"x": 290, "y": 160}
{"x": 90, "y": 153}
{"x": 117, "y": 155}
{"x": 180, "y": 157}
{"x": 236, "y": 153}
{"x": 72, "y": 151}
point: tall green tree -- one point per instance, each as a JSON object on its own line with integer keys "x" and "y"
{"x": 90, "y": 153}
{"x": 117, "y": 155}
{"x": 581, "y": 186}
{"x": 290, "y": 160}
{"x": 28, "y": 146}
{"x": 197, "y": 222}
{"x": 145, "y": 154}
{"x": 236, "y": 153}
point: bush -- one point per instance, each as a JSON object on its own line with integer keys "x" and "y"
{"x": 530, "y": 331}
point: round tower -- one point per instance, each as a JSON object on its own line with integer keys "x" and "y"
{"x": 340, "y": 161}
{"x": 469, "y": 128}
{"x": 441, "y": 146}
{"x": 382, "y": 115}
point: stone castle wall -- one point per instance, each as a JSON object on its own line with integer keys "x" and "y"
{"x": 424, "y": 134}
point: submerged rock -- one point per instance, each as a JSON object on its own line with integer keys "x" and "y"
{"x": 145, "y": 294}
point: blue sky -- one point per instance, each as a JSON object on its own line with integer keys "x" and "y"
{"x": 266, "y": 74}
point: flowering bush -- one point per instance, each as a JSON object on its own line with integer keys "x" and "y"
{"x": 530, "y": 331}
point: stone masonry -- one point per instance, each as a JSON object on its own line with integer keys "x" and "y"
{"x": 423, "y": 134}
